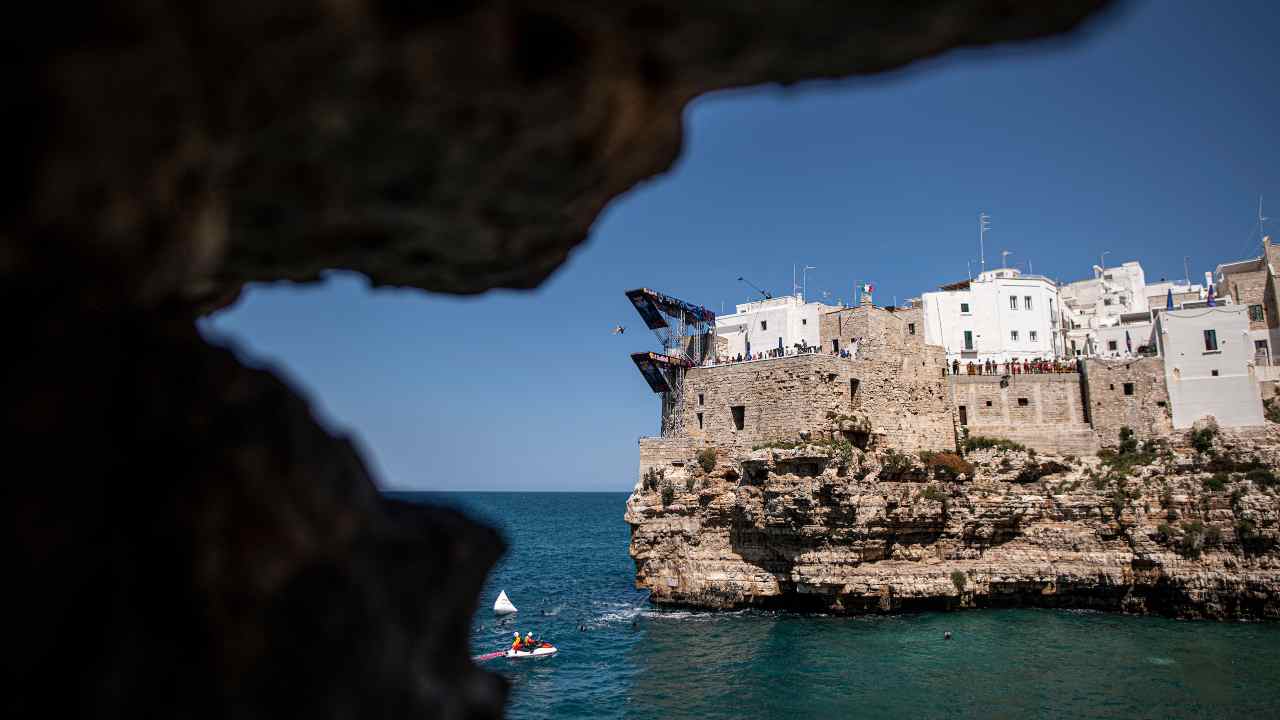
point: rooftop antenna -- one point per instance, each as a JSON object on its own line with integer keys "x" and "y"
{"x": 804, "y": 279}
{"x": 984, "y": 224}
{"x": 766, "y": 294}
{"x": 1261, "y": 219}
{"x": 1030, "y": 270}
{"x": 1102, "y": 261}
{"x": 1004, "y": 254}
{"x": 968, "y": 266}
{"x": 1186, "y": 272}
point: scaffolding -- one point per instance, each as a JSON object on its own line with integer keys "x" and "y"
{"x": 687, "y": 336}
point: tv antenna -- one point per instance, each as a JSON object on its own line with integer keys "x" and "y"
{"x": 765, "y": 293}
{"x": 984, "y": 224}
{"x": 804, "y": 279}
{"x": 1261, "y": 219}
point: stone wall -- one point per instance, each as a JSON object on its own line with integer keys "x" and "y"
{"x": 1145, "y": 407}
{"x": 1248, "y": 288}
{"x": 1045, "y": 412}
{"x": 880, "y": 334}
{"x": 903, "y": 402}
{"x": 671, "y": 455}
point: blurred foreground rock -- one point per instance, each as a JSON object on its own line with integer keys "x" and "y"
{"x": 188, "y": 541}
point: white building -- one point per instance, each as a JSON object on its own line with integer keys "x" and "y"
{"x": 1208, "y": 365}
{"x": 1098, "y": 302}
{"x": 1132, "y": 336}
{"x": 764, "y": 325}
{"x": 1001, "y": 315}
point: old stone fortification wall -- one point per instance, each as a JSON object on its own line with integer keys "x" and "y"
{"x": 1045, "y": 412}
{"x": 901, "y": 402}
{"x": 880, "y": 334}
{"x": 1146, "y": 410}
{"x": 671, "y": 455}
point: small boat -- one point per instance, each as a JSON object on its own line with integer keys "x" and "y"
{"x": 545, "y": 649}
{"x": 503, "y": 606}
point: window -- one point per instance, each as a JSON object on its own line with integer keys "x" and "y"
{"x": 964, "y": 415}
{"x": 1023, "y": 402}
{"x": 1013, "y": 335}
{"x": 1128, "y": 388}
{"x": 835, "y": 346}
{"x": 988, "y": 403}
{"x": 1106, "y": 277}
{"x": 1255, "y": 313}
{"x": 1111, "y": 345}
{"x": 853, "y": 390}
{"x": 968, "y": 339}
{"x": 1013, "y": 302}
{"x": 700, "y": 399}
{"x": 1032, "y": 335}
{"x": 699, "y": 421}
{"x": 964, "y": 308}
{"x": 739, "y": 416}
{"x": 911, "y": 328}
{"x": 1026, "y": 302}
{"x": 764, "y": 324}
{"x": 804, "y": 321}
{"x": 1214, "y": 373}
{"x": 1106, "y": 301}
{"x": 1210, "y": 340}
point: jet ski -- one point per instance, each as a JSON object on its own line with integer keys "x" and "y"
{"x": 545, "y": 649}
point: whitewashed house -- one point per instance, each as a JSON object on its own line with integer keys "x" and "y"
{"x": 773, "y": 324}
{"x": 1099, "y": 302}
{"x": 1001, "y": 315}
{"x": 1208, "y": 365}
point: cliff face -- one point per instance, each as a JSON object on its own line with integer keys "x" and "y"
{"x": 1171, "y": 531}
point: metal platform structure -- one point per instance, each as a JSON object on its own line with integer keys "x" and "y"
{"x": 687, "y": 336}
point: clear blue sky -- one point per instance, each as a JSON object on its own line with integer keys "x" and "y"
{"x": 1150, "y": 136}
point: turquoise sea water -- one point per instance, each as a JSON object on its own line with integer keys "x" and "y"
{"x": 568, "y": 568}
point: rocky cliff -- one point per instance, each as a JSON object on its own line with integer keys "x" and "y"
{"x": 1162, "y": 527}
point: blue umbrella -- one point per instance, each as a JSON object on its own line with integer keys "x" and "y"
{"x": 1211, "y": 302}
{"x": 1168, "y": 301}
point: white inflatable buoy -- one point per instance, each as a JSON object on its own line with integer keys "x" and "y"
{"x": 503, "y": 606}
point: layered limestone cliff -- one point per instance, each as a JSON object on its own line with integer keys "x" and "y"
{"x": 1161, "y": 528}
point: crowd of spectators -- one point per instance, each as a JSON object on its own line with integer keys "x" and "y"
{"x": 1037, "y": 366}
{"x": 798, "y": 349}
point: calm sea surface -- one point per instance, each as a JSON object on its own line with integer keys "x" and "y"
{"x": 568, "y": 568}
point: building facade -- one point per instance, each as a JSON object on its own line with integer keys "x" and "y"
{"x": 1252, "y": 284}
{"x": 1208, "y": 365}
{"x": 1157, "y": 294}
{"x": 767, "y": 325}
{"x": 1099, "y": 302}
{"x": 1001, "y": 315}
